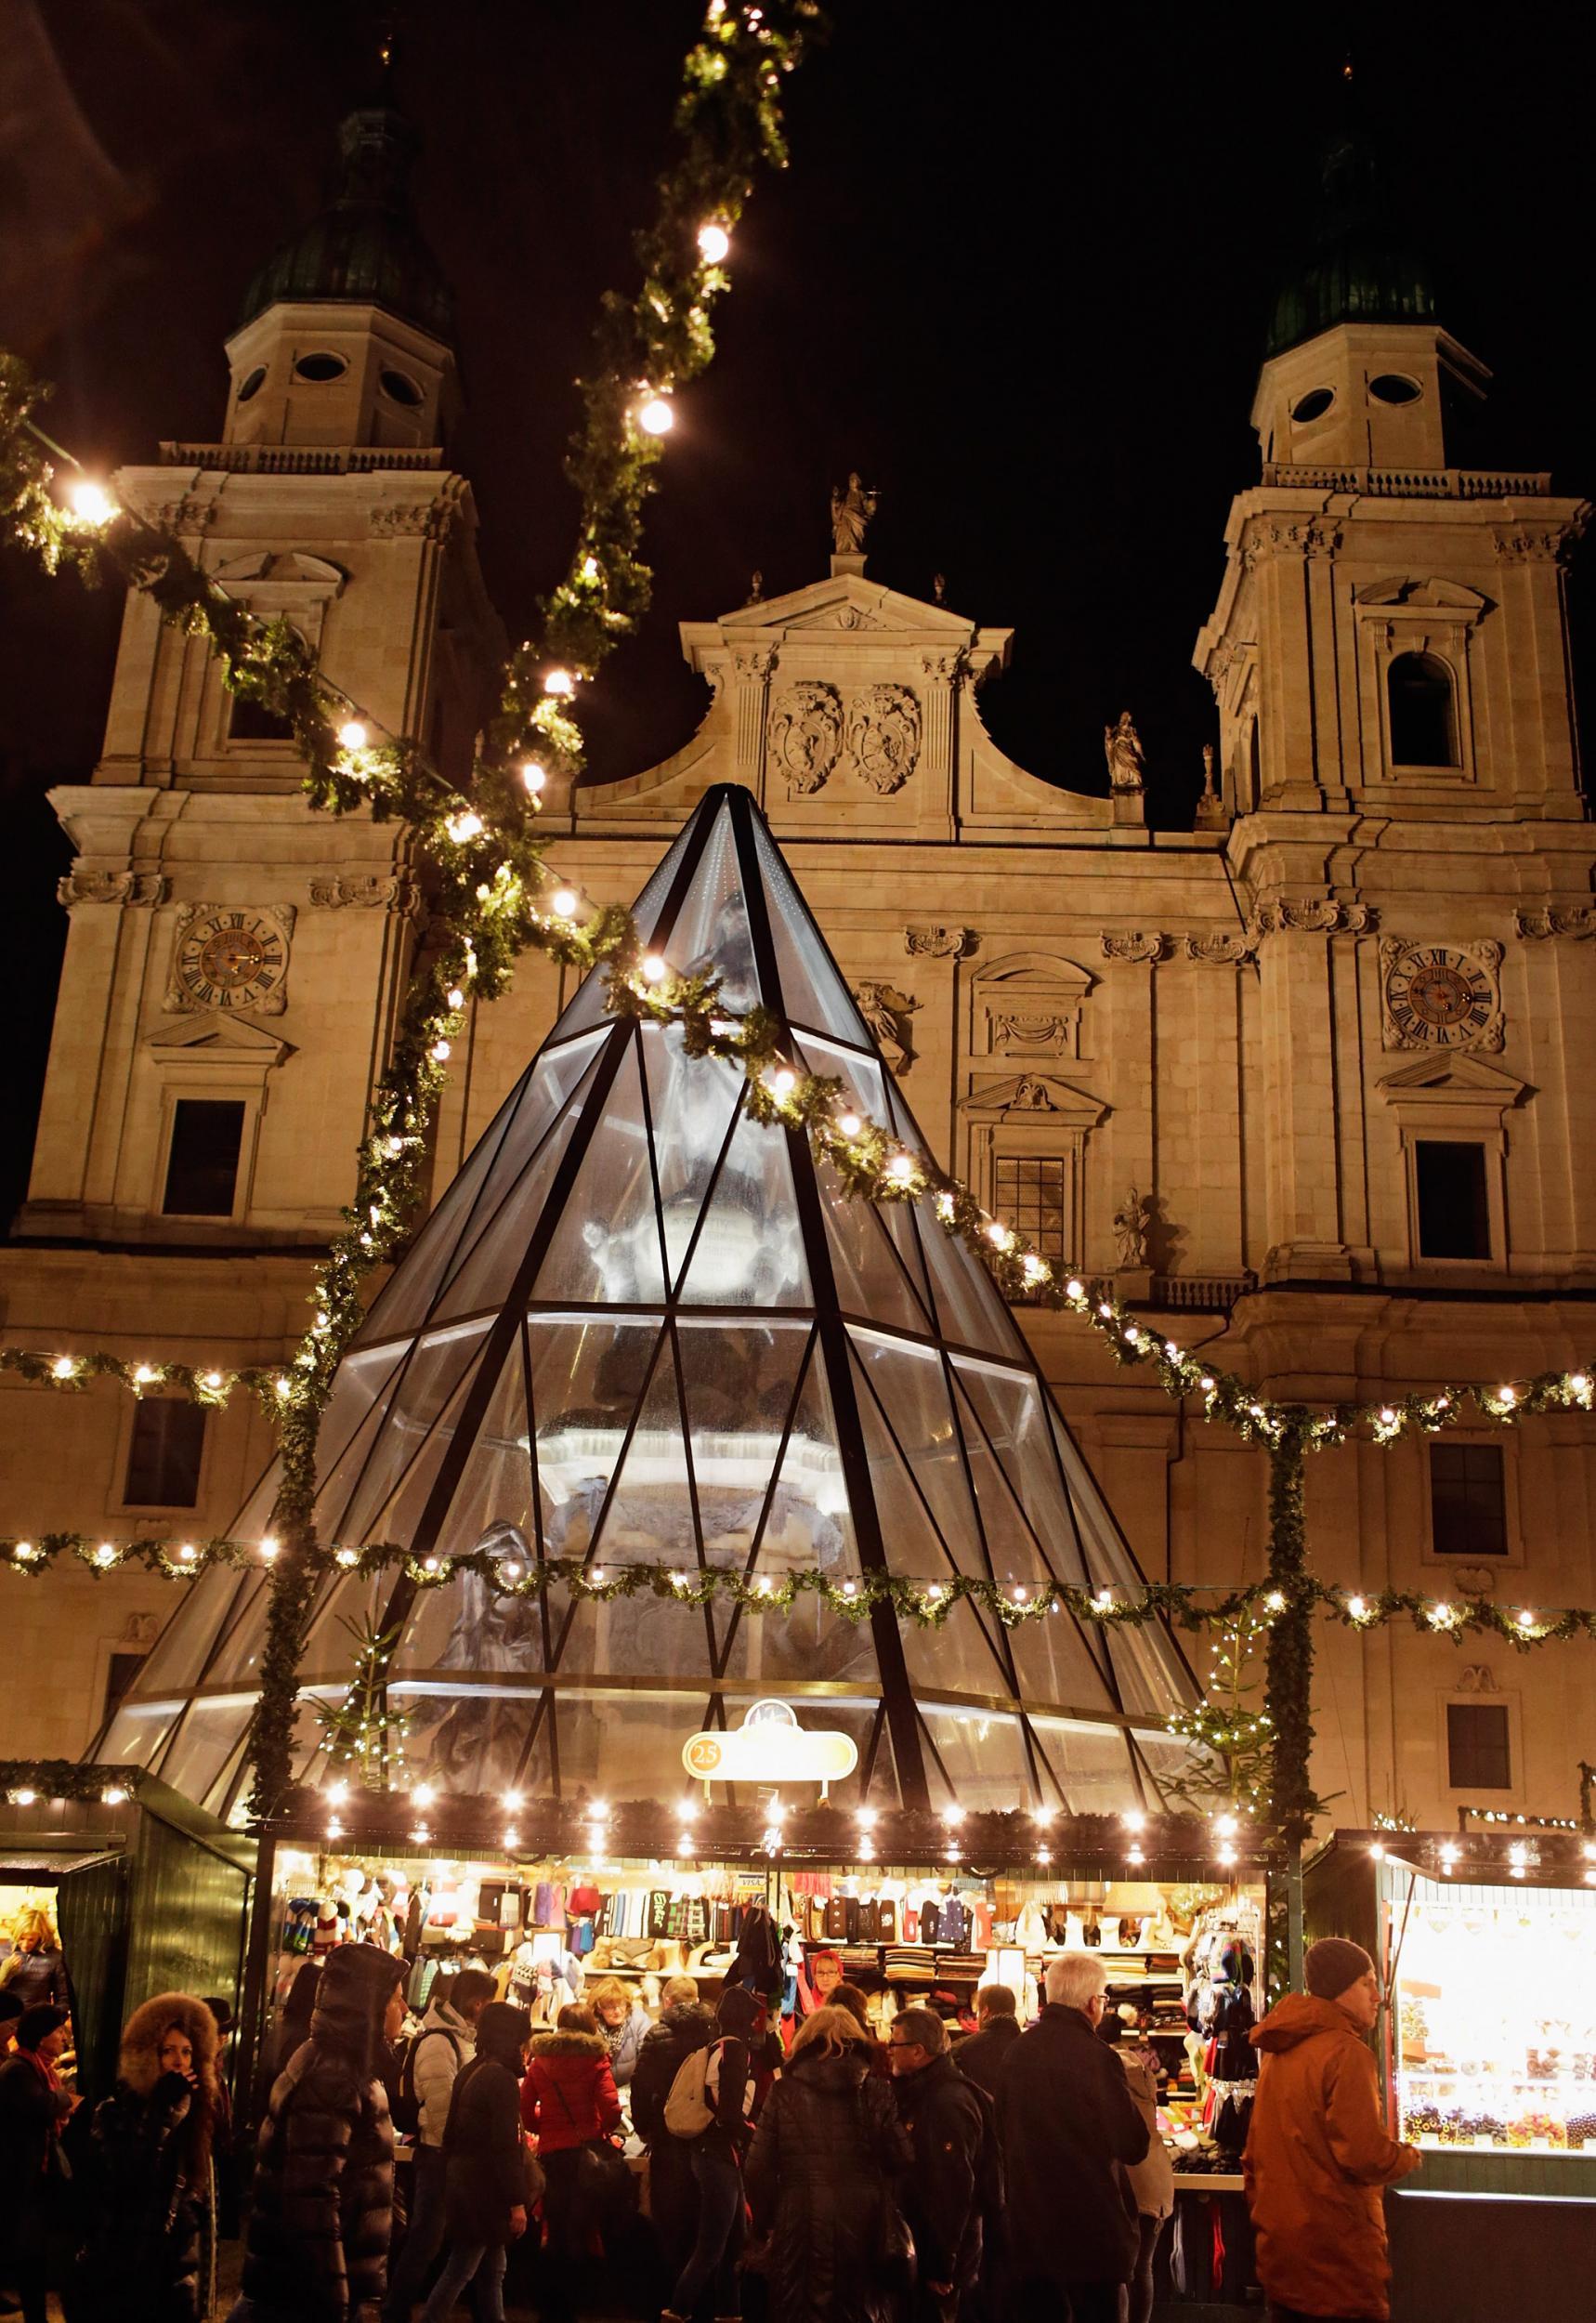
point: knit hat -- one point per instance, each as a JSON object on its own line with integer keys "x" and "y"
{"x": 1332, "y": 1965}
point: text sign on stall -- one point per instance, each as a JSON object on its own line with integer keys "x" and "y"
{"x": 770, "y": 1746}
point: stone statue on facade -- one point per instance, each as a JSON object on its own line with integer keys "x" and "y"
{"x": 851, "y": 514}
{"x": 1123, "y": 748}
{"x": 1131, "y": 1222}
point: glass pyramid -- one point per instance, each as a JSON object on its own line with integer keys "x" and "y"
{"x": 641, "y": 1327}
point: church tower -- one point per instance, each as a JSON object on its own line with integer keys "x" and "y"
{"x": 235, "y": 960}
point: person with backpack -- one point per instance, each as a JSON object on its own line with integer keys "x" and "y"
{"x": 485, "y": 2158}
{"x": 711, "y": 2105}
{"x": 957, "y": 2178}
{"x": 442, "y": 2047}
{"x": 570, "y": 2105}
{"x": 684, "y": 2025}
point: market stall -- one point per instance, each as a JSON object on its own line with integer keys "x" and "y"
{"x": 1486, "y": 1943}
{"x": 144, "y": 1891}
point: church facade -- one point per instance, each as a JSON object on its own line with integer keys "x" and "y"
{"x": 1309, "y": 1083}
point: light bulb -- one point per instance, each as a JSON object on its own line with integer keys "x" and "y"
{"x": 1103, "y": 1601}
{"x": 849, "y": 1124}
{"x": 143, "y": 1374}
{"x": 654, "y": 969}
{"x": 1134, "y": 1854}
{"x": 562, "y": 903}
{"x": 106, "y": 1553}
{"x": 597, "y": 1576}
{"x": 91, "y": 504}
{"x": 284, "y": 1388}
{"x": 1387, "y": 1416}
{"x": 439, "y": 1052}
{"x": 424, "y": 1794}
{"x": 999, "y": 1235}
{"x": 784, "y": 1081}
{"x": 1075, "y": 1288}
{"x": 186, "y": 1553}
{"x": 656, "y": 417}
{"x": 63, "y": 1367}
{"x": 1134, "y": 1820}
{"x": 1206, "y": 1382}
{"x": 352, "y": 735}
{"x": 559, "y": 681}
{"x": 714, "y": 242}
{"x": 456, "y": 997}
{"x": 1358, "y": 1608}
{"x": 213, "y": 1379}
{"x": 25, "y": 1798}
{"x": 464, "y": 827}
{"x": 1275, "y": 1602}
{"x": 113, "y": 1794}
{"x": 900, "y": 1168}
{"x": 1507, "y": 1395}
{"x": 533, "y": 777}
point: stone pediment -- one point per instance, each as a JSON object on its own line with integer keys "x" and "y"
{"x": 844, "y": 606}
{"x": 215, "y": 1039}
{"x": 1430, "y": 596}
{"x": 1457, "y": 1075}
{"x": 1035, "y": 1096}
{"x": 1459, "y": 1094}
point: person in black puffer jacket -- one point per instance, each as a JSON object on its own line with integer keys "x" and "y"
{"x": 322, "y": 2216}
{"x": 484, "y": 2155}
{"x": 684, "y": 2025}
{"x": 827, "y": 2156}
{"x": 142, "y": 2169}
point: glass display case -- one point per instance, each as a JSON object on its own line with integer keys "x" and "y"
{"x": 1493, "y": 2018}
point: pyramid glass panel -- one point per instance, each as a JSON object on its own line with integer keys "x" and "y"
{"x": 643, "y": 1329}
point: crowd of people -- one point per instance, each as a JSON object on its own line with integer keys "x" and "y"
{"x": 1016, "y": 2176}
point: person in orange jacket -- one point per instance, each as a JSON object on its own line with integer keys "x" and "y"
{"x": 1318, "y": 2153}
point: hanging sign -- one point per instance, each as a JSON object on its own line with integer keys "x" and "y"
{"x": 770, "y": 1746}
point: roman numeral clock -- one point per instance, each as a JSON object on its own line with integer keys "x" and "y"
{"x": 1441, "y": 996}
{"x": 232, "y": 958}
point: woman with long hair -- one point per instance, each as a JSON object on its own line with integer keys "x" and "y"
{"x": 34, "y": 1969}
{"x": 822, "y": 2174}
{"x": 149, "y": 2202}
{"x": 623, "y": 2025}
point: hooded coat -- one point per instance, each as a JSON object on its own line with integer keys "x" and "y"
{"x": 322, "y": 2218}
{"x": 483, "y": 2142}
{"x": 568, "y": 2097}
{"x": 824, "y": 2159}
{"x": 1317, "y": 2156}
{"x": 683, "y": 2027}
{"x": 1067, "y": 2120}
{"x": 148, "y": 2199}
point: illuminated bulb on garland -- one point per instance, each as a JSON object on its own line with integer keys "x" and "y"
{"x": 464, "y": 827}
{"x": 1507, "y": 1396}
{"x": 212, "y": 1380}
{"x": 352, "y": 736}
{"x": 25, "y": 1798}
{"x": 1000, "y": 1236}
{"x": 1442, "y": 1616}
{"x": 91, "y": 504}
{"x": 186, "y": 1553}
{"x": 784, "y": 1081}
{"x": 106, "y": 1553}
{"x": 933, "y": 1595}
{"x": 1103, "y": 1601}
{"x": 900, "y": 1169}
{"x": 424, "y": 1794}
{"x": 143, "y": 1376}
{"x": 284, "y": 1388}
{"x": 849, "y": 1124}
{"x": 1035, "y": 1270}
{"x": 439, "y": 1052}
{"x": 1075, "y": 1288}
{"x": 456, "y": 997}
{"x": 654, "y": 969}
{"x": 563, "y": 904}
{"x": 113, "y": 1795}
{"x": 1579, "y": 1384}
{"x": 533, "y": 777}
{"x": 1275, "y": 1602}
{"x": 63, "y": 1367}
{"x": 559, "y": 682}
{"x": 1207, "y": 1383}
{"x": 1358, "y": 1608}
{"x": 714, "y": 241}
{"x": 1134, "y": 1854}
{"x": 656, "y": 417}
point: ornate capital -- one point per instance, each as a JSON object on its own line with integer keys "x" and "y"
{"x": 805, "y": 734}
{"x": 952, "y": 665}
{"x": 1536, "y": 927}
{"x": 367, "y": 891}
{"x": 1529, "y": 548}
{"x": 1220, "y": 949}
{"x": 940, "y": 944}
{"x": 884, "y": 736}
{"x": 1133, "y": 944}
{"x": 133, "y": 889}
{"x": 1314, "y": 915}
{"x": 754, "y": 662}
{"x": 431, "y": 519}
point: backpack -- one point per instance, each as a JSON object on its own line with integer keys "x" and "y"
{"x": 406, "y": 2107}
{"x": 689, "y": 2108}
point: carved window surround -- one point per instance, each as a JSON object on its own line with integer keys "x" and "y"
{"x": 1457, "y": 1099}
{"x": 295, "y": 586}
{"x": 1032, "y": 1115}
{"x": 1413, "y": 616}
{"x": 212, "y": 1057}
{"x": 1029, "y": 1005}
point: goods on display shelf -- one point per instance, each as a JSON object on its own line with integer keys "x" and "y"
{"x": 1494, "y": 2009}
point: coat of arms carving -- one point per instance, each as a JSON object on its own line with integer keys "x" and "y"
{"x": 884, "y": 736}
{"x": 805, "y": 733}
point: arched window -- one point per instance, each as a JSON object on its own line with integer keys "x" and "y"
{"x": 1423, "y": 729}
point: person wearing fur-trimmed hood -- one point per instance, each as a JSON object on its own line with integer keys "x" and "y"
{"x": 148, "y": 2196}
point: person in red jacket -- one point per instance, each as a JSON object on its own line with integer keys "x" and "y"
{"x": 569, "y": 2102}
{"x": 1318, "y": 2153}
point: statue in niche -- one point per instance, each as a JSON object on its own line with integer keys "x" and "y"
{"x": 1123, "y": 748}
{"x": 1132, "y": 1221}
{"x": 888, "y": 1011}
{"x": 851, "y": 514}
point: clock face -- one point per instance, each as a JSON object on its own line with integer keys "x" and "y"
{"x": 1438, "y": 997}
{"x": 232, "y": 959}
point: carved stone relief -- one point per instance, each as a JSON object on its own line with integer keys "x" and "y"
{"x": 1536, "y": 927}
{"x": 805, "y": 734}
{"x": 888, "y": 1011}
{"x": 1311, "y": 915}
{"x": 368, "y": 891}
{"x": 1220, "y": 949}
{"x": 884, "y": 736}
{"x": 1133, "y": 944}
{"x": 135, "y": 889}
{"x": 940, "y": 944}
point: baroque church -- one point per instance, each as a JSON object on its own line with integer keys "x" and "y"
{"x": 1304, "y": 1082}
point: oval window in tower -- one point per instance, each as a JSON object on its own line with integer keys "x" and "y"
{"x": 400, "y": 388}
{"x": 1313, "y": 406}
{"x": 319, "y": 369}
{"x": 1391, "y": 386}
{"x": 253, "y": 384}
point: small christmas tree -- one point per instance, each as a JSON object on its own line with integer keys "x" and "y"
{"x": 361, "y": 1731}
{"x": 1229, "y": 1733}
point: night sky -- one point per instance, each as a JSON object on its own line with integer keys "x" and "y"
{"x": 1017, "y": 274}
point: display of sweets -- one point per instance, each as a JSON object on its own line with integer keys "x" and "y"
{"x": 1581, "y": 2131}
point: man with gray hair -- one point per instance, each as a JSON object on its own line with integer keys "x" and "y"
{"x": 1067, "y": 2118}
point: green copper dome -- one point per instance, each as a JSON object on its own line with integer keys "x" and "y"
{"x": 364, "y": 247}
{"x": 1361, "y": 270}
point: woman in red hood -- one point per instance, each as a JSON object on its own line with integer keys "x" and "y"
{"x": 1318, "y": 2153}
{"x": 569, "y": 2102}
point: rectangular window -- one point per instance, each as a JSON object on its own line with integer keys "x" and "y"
{"x": 1468, "y": 1501}
{"x": 1454, "y": 1214}
{"x": 124, "y": 1667}
{"x": 164, "y": 1459}
{"x": 252, "y": 722}
{"x": 1478, "y": 1757}
{"x": 1030, "y": 1193}
{"x": 203, "y": 1167}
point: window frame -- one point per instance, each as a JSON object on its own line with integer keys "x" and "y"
{"x": 1463, "y": 1561}
{"x": 118, "y": 1503}
{"x": 1483, "y": 1699}
{"x": 169, "y": 1127}
{"x": 1480, "y": 1146}
{"x": 1454, "y": 1442}
{"x": 1452, "y": 763}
